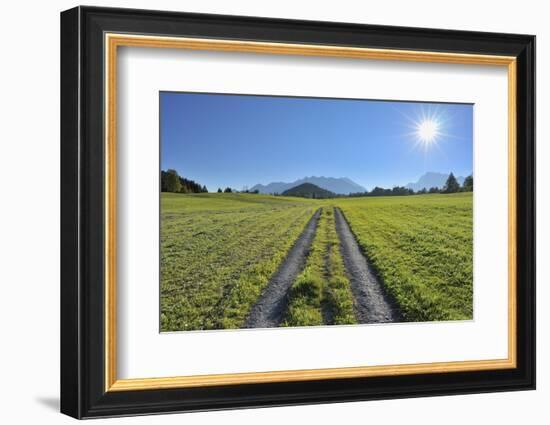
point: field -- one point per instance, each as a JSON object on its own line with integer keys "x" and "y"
{"x": 421, "y": 247}
{"x": 219, "y": 253}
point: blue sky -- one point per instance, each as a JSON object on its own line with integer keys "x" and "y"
{"x": 239, "y": 140}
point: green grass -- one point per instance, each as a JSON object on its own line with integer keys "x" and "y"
{"x": 421, "y": 247}
{"x": 218, "y": 251}
{"x": 321, "y": 293}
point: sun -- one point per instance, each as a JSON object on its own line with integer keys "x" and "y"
{"x": 427, "y": 131}
{"x": 428, "y": 127}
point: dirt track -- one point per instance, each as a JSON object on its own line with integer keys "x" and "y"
{"x": 372, "y": 305}
{"x": 271, "y": 306}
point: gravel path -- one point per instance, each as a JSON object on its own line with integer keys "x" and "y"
{"x": 372, "y": 305}
{"x": 271, "y": 306}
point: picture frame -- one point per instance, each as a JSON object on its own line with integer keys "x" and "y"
{"x": 90, "y": 40}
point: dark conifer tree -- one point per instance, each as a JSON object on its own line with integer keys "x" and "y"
{"x": 451, "y": 186}
{"x": 468, "y": 185}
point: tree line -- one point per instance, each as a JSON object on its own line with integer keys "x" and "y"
{"x": 171, "y": 181}
{"x": 451, "y": 186}
{"x": 229, "y": 190}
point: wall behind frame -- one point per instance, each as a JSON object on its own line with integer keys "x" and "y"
{"x": 29, "y": 219}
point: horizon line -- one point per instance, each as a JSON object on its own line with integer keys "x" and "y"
{"x": 367, "y": 188}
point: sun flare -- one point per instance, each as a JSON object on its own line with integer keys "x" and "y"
{"x": 427, "y": 130}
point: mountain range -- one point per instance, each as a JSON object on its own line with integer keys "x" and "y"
{"x": 432, "y": 179}
{"x": 340, "y": 186}
{"x": 345, "y": 186}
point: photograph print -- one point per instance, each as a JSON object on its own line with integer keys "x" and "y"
{"x": 279, "y": 211}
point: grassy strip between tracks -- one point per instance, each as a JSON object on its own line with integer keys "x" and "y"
{"x": 321, "y": 293}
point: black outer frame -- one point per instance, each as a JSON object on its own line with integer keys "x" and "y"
{"x": 82, "y": 212}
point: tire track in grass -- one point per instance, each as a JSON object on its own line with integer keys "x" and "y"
{"x": 270, "y": 308}
{"x": 372, "y": 304}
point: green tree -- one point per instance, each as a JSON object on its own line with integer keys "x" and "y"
{"x": 451, "y": 186}
{"x": 219, "y": 190}
{"x": 228, "y": 190}
{"x": 468, "y": 184}
{"x": 173, "y": 183}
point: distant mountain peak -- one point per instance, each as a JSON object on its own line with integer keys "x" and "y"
{"x": 340, "y": 186}
{"x": 432, "y": 179}
{"x": 308, "y": 190}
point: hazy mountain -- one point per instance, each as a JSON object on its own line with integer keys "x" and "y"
{"x": 432, "y": 179}
{"x": 308, "y": 190}
{"x": 340, "y": 186}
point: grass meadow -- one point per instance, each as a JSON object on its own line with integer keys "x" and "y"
{"x": 218, "y": 251}
{"x": 422, "y": 249}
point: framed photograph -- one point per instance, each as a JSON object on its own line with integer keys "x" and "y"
{"x": 261, "y": 212}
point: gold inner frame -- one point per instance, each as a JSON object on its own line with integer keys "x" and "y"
{"x": 113, "y": 41}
